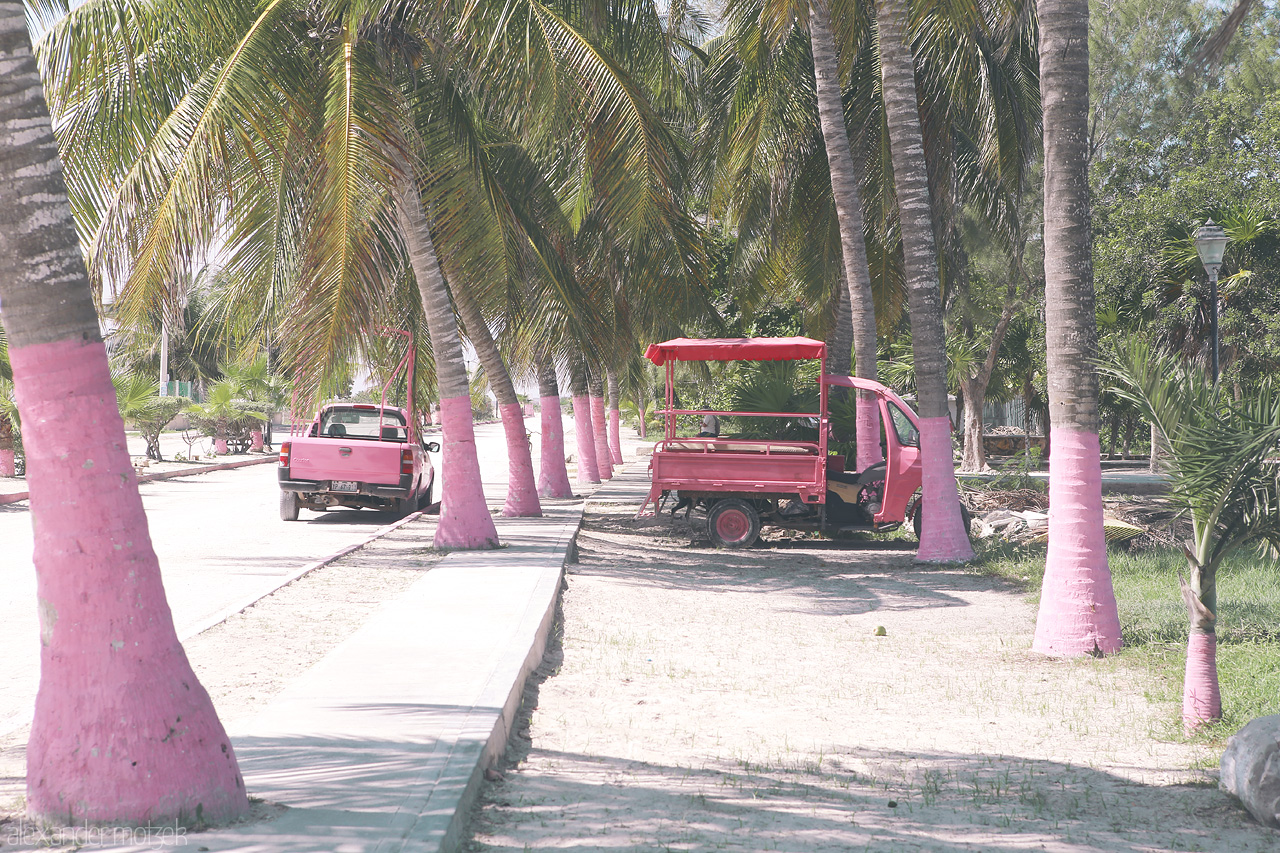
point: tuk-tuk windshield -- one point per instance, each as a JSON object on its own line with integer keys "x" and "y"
{"x": 908, "y": 435}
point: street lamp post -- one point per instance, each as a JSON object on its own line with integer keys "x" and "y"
{"x": 1211, "y": 243}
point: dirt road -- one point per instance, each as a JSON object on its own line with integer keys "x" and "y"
{"x": 720, "y": 700}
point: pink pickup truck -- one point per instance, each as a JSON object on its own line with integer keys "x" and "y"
{"x": 356, "y": 455}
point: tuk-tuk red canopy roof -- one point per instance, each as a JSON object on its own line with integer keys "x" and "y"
{"x": 734, "y": 349}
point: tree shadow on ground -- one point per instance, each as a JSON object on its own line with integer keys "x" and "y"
{"x": 852, "y": 801}
{"x": 849, "y": 798}
{"x": 839, "y": 582}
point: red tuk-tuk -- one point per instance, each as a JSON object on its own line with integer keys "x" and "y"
{"x": 743, "y": 483}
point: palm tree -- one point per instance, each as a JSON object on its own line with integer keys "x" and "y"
{"x": 599, "y": 423}
{"x": 1221, "y": 460}
{"x": 943, "y": 537}
{"x": 253, "y": 380}
{"x": 975, "y": 63}
{"x": 522, "y": 491}
{"x": 1078, "y": 613}
{"x": 848, "y": 203}
{"x": 465, "y": 521}
{"x": 400, "y": 93}
{"x": 140, "y": 404}
{"x": 123, "y": 730}
{"x": 10, "y": 430}
{"x": 221, "y": 413}
{"x": 755, "y": 31}
{"x": 588, "y": 468}
{"x": 553, "y": 476}
{"x": 615, "y": 416}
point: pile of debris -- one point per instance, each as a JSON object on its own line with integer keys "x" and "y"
{"x": 1021, "y": 526}
{"x": 1022, "y": 516}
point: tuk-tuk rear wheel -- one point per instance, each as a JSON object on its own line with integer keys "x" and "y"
{"x": 733, "y": 523}
{"x": 918, "y": 511}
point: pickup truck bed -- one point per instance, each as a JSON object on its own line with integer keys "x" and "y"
{"x": 355, "y": 455}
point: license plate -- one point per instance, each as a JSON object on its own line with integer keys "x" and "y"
{"x": 344, "y": 486}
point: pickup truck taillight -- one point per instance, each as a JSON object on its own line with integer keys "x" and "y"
{"x": 284, "y": 454}
{"x": 406, "y": 461}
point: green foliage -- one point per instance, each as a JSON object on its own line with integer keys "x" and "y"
{"x": 252, "y": 379}
{"x": 224, "y": 416}
{"x": 481, "y": 404}
{"x": 1221, "y": 456}
{"x": 774, "y": 386}
{"x": 10, "y": 422}
{"x": 141, "y": 405}
{"x": 1154, "y": 624}
{"x": 1218, "y": 161}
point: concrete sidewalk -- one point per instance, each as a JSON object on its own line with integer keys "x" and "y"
{"x": 382, "y": 746}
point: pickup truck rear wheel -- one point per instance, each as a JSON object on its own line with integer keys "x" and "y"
{"x": 289, "y": 506}
{"x": 424, "y": 499}
{"x": 733, "y": 523}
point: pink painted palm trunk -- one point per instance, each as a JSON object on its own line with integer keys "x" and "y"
{"x": 220, "y": 446}
{"x": 522, "y": 491}
{"x": 588, "y": 470}
{"x": 7, "y": 466}
{"x": 465, "y": 521}
{"x": 553, "y": 476}
{"x": 868, "y": 435}
{"x": 1077, "y": 605}
{"x": 943, "y": 538}
{"x": 123, "y": 730}
{"x": 615, "y": 436}
{"x": 600, "y": 430}
{"x": 1201, "y": 701}
{"x": 255, "y": 440}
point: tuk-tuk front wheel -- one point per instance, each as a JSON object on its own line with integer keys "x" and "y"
{"x": 918, "y": 511}
{"x": 733, "y": 523}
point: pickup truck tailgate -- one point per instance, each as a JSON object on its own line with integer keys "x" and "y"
{"x": 346, "y": 459}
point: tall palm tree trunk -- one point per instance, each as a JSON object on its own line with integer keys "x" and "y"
{"x": 123, "y": 732}
{"x": 1077, "y": 605}
{"x": 588, "y": 470}
{"x": 522, "y": 491}
{"x": 553, "y": 476}
{"x": 465, "y": 521}
{"x": 943, "y": 537}
{"x": 615, "y": 417}
{"x": 848, "y": 201}
{"x": 599, "y": 424}
{"x": 840, "y": 338}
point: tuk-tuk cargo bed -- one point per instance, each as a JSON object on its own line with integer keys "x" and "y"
{"x": 752, "y": 467}
{"x": 738, "y": 478}
{"x": 733, "y": 445}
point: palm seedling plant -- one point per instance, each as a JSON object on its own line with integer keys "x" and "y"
{"x": 222, "y": 416}
{"x": 141, "y": 405}
{"x": 1224, "y": 464}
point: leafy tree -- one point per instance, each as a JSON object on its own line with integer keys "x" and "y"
{"x": 222, "y": 416}
{"x": 943, "y": 536}
{"x": 140, "y": 404}
{"x": 1221, "y": 460}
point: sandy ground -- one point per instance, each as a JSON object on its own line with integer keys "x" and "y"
{"x": 246, "y": 660}
{"x": 722, "y": 700}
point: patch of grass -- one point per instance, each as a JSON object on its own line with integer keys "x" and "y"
{"x": 1154, "y": 624}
